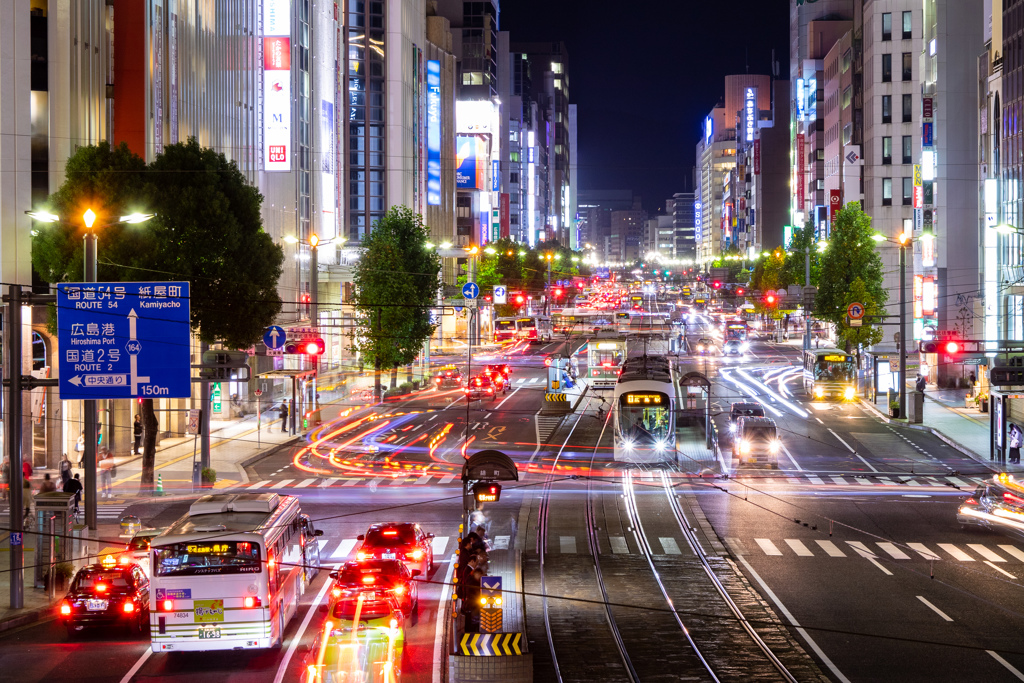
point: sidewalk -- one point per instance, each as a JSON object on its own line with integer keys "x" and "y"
{"x": 965, "y": 429}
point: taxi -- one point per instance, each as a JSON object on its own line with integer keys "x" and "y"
{"x": 362, "y": 639}
{"x": 448, "y": 377}
{"x": 480, "y": 387}
{"x": 391, "y": 576}
{"x": 997, "y": 504}
{"x": 107, "y": 594}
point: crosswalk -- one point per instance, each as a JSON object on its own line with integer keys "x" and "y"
{"x": 336, "y": 551}
{"x": 104, "y": 512}
{"x": 988, "y": 553}
{"x": 872, "y": 480}
{"x": 546, "y": 426}
{"x": 313, "y": 483}
{"x": 522, "y": 381}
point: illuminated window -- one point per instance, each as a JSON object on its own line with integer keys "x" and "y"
{"x": 886, "y": 191}
{"x": 887, "y": 26}
{"x": 908, "y": 23}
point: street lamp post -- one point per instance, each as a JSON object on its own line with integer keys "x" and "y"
{"x": 904, "y": 240}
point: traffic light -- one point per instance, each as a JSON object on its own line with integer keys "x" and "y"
{"x": 486, "y": 492}
{"x": 1010, "y": 375}
{"x": 717, "y": 284}
{"x": 951, "y": 347}
{"x": 520, "y": 299}
{"x": 558, "y": 292}
{"x": 770, "y": 299}
{"x": 309, "y": 347}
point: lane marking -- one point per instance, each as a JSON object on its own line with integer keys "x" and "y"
{"x": 799, "y": 548}
{"x": 670, "y": 546}
{"x": 443, "y": 603}
{"x": 498, "y": 407}
{"x": 304, "y": 483}
{"x": 814, "y": 480}
{"x": 955, "y": 552}
{"x": 768, "y": 547}
{"x": 839, "y": 480}
{"x": 985, "y": 552}
{"x": 958, "y": 482}
{"x": 424, "y": 479}
{"x": 351, "y": 482}
{"x": 893, "y": 551}
{"x": 831, "y": 548}
{"x": 149, "y": 652}
{"x": 934, "y": 608}
{"x": 791, "y": 458}
{"x": 922, "y": 550}
{"x": 870, "y": 466}
{"x": 864, "y": 552}
{"x": 782, "y": 608}
{"x": 619, "y": 546}
{"x": 446, "y": 478}
{"x": 302, "y": 629}
{"x": 257, "y": 485}
{"x": 282, "y": 484}
{"x": 344, "y": 549}
{"x": 567, "y": 545}
{"x": 439, "y": 543}
{"x": 1009, "y": 667}
{"x": 1000, "y": 570}
{"x": 1013, "y": 551}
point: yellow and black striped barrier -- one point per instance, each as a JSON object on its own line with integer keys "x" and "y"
{"x": 558, "y": 398}
{"x": 490, "y": 644}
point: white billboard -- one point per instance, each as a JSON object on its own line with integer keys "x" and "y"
{"x": 277, "y": 85}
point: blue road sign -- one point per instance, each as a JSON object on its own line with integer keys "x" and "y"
{"x": 124, "y": 340}
{"x": 470, "y": 290}
{"x": 274, "y": 337}
{"x": 15, "y": 539}
{"x": 500, "y": 294}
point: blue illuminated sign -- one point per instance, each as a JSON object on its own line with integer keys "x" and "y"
{"x": 433, "y": 132}
{"x": 709, "y": 129}
{"x": 495, "y": 175}
{"x": 927, "y": 134}
{"x": 696, "y": 221}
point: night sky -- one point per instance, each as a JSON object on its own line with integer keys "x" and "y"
{"x": 644, "y": 74}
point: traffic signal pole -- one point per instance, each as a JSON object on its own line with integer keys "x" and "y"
{"x": 903, "y": 329}
{"x": 90, "y": 427}
{"x": 13, "y": 435}
{"x": 807, "y": 308}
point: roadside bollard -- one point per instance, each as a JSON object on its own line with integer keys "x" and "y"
{"x": 159, "y": 484}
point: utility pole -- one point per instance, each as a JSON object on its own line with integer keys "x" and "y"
{"x": 89, "y": 406}
{"x": 204, "y": 417}
{"x": 904, "y": 240}
{"x": 807, "y": 309}
{"x": 13, "y": 435}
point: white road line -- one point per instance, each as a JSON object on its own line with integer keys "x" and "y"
{"x": 934, "y": 608}
{"x": 259, "y": 484}
{"x": 870, "y": 466}
{"x": 831, "y": 548}
{"x": 985, "y": 552}
{"x": 799, "y": 548}
{"x": 344, "y": 549}
{"x": 670, "y": 546}
{"x": 768, "y": 547}
{"x": 1013, "y": 551}
{"x": 619, "y": 546}
{"x": 864, "y": 552}
{"x": 922, "y": 550}
{"x": 957, "y": 482}
{"x": 913, "y": 482}
{"x": 567, "y": 545}
{"x": 424, "y": 479}
{"x": 839, "y": 480}
{"x": 1000, "y": 570}
{"x": 894, "y": 552}
{"x": 782, "y": 608}
{"x": 322, "y": 543}
{"x": 304, "y": 483}
{"x": 791, "y": 458}
{"x": 302, "y": 629}
{"x": 149, "y": 652}
{"x": 446, "y": 478}
{"x": 955, "y": 552}
{"x": 432, "y": 418}
{"x": 886, "y": 480}
{"x": 375, "y": 482}
{"x": 818, "y": 419}
{"x": 443, "y": 603}
{"x": 439, "y": 543}
{"x": 814, "y": 480}
{"x": 351, "y": 482}
{"x": 995, "y": 655}
{"x": 283, "y": 483}
{"x": 497, "y": 407}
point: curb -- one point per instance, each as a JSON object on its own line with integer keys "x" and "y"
{"x": 925, "y": 428}
{"x": 25, "y": 618}
{"x": 253, "y": 459}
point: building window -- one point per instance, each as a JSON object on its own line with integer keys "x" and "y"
{"x": 908, "y": 23}
{"x": 886, "y": 68}
{"x": 886, "y": 108}
{"x": 908, "y": 108}
{"x": 887, "y": 26}
{"x": 908, "y": 149}
{"x": 908, "y": 72}
{"x": 513, "y": 178}
{"x": 886, "y": 191}
{"x": 847, "y": 96}
{"x": 908, "y": 191}
{"x": 886, "y": 150}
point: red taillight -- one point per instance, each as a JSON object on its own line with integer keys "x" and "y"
{"x": 489, "y": 390}
{"x": 128, "y": 606}
{"x": 167, "y": 605}
{"x": 1012, "y": 499}
{"x": 101, "y": 588}
{"x": 970, "y": 501}
{"x": 416, "y": 554}
{"x": 369, "y": 579}
{"x": 465, "y": 391}
{"x": 606, "y": 364}
{"x": 65, "y": 607}
{"x": 250, "y": 601}
{"x": 391, "y": 532}
{"x": 361, "y": 556}
{"x": 336, "y": 592}
{"x": 399, "y": 590}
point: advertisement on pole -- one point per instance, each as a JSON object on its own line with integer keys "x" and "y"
{"x": 277, "y": 85}
{"x": 927, "y": 134}
{"x": 801, "y": 177}
{"x": 503, "y": 203}
{"x": 757, "y": 156}
{"x": 433, "y": 132}
{"x": 470, "y": 162}
{"x": 834, "y": 204}
{"x": 926, "y": 108}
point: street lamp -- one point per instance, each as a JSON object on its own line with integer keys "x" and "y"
{"x": 89, "y": 406}
{"x": 314, "y": 243}
{"x": 902, "y": 240}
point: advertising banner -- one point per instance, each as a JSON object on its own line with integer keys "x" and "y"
{"x": 757, "y": 156}
{"x": 926, "y": 108}
{"x": 504, "y": 205}
{"x": 834, "y": 204}
{"x": 927, "y": 134}
{"x": 470, "y": 163}
{"x": 277, "y": 85}
{"x": 801, "y": 177}
{"x": 433, "y": 132}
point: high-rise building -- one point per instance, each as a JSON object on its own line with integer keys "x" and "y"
{"x": 596, "y": 207}
{"x": 683, "y": 215}
{"x": 1003, "y": 315}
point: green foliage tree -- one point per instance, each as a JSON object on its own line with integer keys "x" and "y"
{"x": 854, "y": 338}
{"x": 772, "y": 277}
{"x": 796, "y": 257}
{"x": 233, "y": 267}
{"x": 396, "y": 282}
{"x": 850, "y": 256}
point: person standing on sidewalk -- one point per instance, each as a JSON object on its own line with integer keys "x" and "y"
{"x": 7, "y": 477}
{"x": 284, "y": 417}
{"x": 921, "y": 384}
{"x": 105, "y": 466}
{"x": 48, "y": 485}
{"x": 1015, "y": 442}
{"x": 137, "y": 434}
{"x": 65, "y": 469}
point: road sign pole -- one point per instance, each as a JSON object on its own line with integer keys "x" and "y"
{"x": 204, "y": 417}
{"x": 90, "y": 427}
{"x": 807, "y": 309}
{"x": 13, "y": 329}
{"x": 903, "y": 332}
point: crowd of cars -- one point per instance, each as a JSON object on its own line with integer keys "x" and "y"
{"x": 492, "y": 380}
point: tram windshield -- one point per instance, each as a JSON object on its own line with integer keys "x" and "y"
{"x": 644, "y": 416}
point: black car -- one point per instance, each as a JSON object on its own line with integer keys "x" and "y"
{"x": 391, "y": 576}
{"x": 448, "y": 377}
{"x": 746, "y": 409}
{"x": 703, "y": 347}
{"x": 107, "y": 596}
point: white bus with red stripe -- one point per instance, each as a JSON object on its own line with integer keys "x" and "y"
{"x": 228, "y": 575}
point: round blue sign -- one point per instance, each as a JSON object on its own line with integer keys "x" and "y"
{"x": 274, "y": 337}
{"x": 470, "y": 290}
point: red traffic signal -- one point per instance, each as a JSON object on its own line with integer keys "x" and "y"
{"x": 558, "y": 292}
{"x": 770, "y": 299}
{"x": 520, "y": 299}
{"x": 717, "y": 284}
{"x": 309, "y": 347}
{"x": 952, "y": 347}
{"x": 739, "y": 291}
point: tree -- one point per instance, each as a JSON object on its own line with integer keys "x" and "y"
{"x": 854, "y": 338}
{"x": 233, "y": 267}
{"x": 396, "y": 281}
{"x": 850, "y": 256}
{"x": 772, "y": 277}
{"x": 796, "y": 257}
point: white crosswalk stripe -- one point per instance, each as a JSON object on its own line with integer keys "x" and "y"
{"x": 446, "y": 478}
{"x": 281, "y": 484}
{"x": 894, "y": 552}
{"x": 922, "y": 550}
{"x": 619, "y": 546}
{"x": 767, "y": 546}
{"x": 956, "y": 552}
{"x": 1013, "y": 551}
{"x": 344, "y": 549}
{"x": 840, "y": 481}
{"x": 798, "y": 547}
{"x": 985, "y": 552}
{"x": 424, "y": 479}
{"x": 886, "y": 549}
{"x": 670, "y": 546}
{"x": 304, "y": 483}
{"x": 439, "y": 543}
{"x": 831, "y": 549}
{"x": 257, "y": 485}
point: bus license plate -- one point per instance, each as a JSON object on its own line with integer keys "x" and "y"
{"x": 96, "y": 605}
{"x": 208, "y": 632}
{"x": 389, "y": 556}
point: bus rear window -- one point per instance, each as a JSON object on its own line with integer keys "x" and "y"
{"x": 208, "y": 557}
{"x": 505, "y": 325}
{"x": 527, "y": 324}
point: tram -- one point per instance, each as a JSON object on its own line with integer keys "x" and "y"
{"x": 644, "y": 404}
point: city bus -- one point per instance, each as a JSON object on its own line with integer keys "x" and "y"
{"x": 830, "y": 373}
{"x": 736, "y": 329}
{"x": 534, "y": 328}
{"x": 581, "y": 321}
{"x": 504, "y": 329}
{"x": 228, "y": 575}
{"x": 604, "y": 362}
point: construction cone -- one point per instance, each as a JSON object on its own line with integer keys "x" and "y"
{"x": 159, "y": 484}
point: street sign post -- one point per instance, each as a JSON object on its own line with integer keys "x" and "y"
{"x": 470, "y": 290}
{"x": 855, "y": 311}
{"x": 274, "y": 337}
{"x": 124, "y": 340}
{"x": 500, "y": 294}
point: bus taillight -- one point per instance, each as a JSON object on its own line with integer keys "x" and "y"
{"x": 167, "y": 606}
{"x": 251, "y": 601}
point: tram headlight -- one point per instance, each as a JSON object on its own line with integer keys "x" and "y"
{"x": 848, "y": 393}
{"x": 627, "y": 444}
{"x": 819, "y": 392}
{"x": 661, "y": 445}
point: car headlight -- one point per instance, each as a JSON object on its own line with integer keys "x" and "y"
{"x": 700, "y": 347}
{"x": 819, "y": 392}
{"x": 662, "y": 445}
{"x": 848, "y": 393}
{"x": 732, "y": 428}
{"x": 744, "y": 446}
{"x": 774, "y": 446}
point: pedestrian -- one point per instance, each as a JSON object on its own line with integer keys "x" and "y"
{"x": 7, "y": 477}
{"x": 284, "y": 417}
{"x": 137, "y": 434}
{"x": 1015, "y": 443}
{"x": 65, "y": 469}
{"x": 74, "y": 486}
{"x": 471, "y": 604}
{"x": 482, "y": 533}
{"x": 26, "y": 469}
{"x": 105, "y": 465}
{"x": 27, "y": 498}
{"x": 464, "y": 570}
{"x": 921, "y": 384}
{"x": 48, "y": 486}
